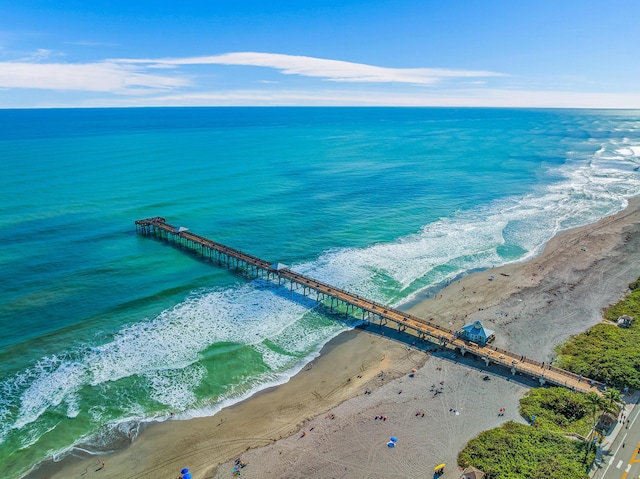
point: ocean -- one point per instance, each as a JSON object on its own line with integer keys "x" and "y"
{"x": 104, "y": 329}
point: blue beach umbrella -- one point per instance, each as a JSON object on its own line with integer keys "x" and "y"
{"x": 187, "y": 476}
{"x": 391, "y": 444}
{"x": 184, "y": 471}
{"x": 393, "y": 439}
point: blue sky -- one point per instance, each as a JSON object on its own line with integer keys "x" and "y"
{"x": 538, "y": 53}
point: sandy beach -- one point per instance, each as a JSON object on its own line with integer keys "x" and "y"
{"x": 322, "y": 423}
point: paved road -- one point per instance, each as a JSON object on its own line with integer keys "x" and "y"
{"x": 622, "y": 461}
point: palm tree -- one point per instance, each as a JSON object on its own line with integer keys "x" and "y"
{"x": 611, "y": 402}
{"x": 594, "y": 399}
{"x": 613, "y": 399}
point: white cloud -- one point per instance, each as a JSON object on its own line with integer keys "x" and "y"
{"x": 136, "y": 76}
{"x": 39, "y": 55}
{"x": 162, "y": 82}
{"x": 99, "y": 77}
{"x": 334, "y": 70}
{"x": 424, "y": 98}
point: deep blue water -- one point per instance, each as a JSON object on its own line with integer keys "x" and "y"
{"x": 103, "y": 329}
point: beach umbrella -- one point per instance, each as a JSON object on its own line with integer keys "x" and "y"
{"x": 184, "y": 471}
{"x": 393, "y": 439}
{"x": 187, "y": 476}
{"x": 391, "y": 444}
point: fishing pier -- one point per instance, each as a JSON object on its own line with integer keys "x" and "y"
{"x": 362, "y": 308}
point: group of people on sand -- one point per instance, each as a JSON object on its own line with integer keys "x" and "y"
{"x": 240, "y": 464}
{"x": 304, "y": 433}
{"x": 435, "y": 390}
{"x": 382, "y": 418}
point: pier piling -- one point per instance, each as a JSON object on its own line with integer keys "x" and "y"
{"x": 421, "y": 328}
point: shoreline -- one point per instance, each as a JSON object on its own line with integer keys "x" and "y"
{"x": 561, "y": 291}
{"x": 579, "y": 272}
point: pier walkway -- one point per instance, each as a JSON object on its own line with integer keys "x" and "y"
{"x": 362, "y": 308}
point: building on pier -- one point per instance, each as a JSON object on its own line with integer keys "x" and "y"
{"x": 476, "y": 333}
{"x": 279, "y": 266}
{"x": 473, "y": 338}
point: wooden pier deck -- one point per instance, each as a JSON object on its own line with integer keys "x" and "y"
{"x": 362, "y": 308}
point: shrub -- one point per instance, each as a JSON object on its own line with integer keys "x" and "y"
{"x": 559, "y": 409}
{"x": 518, "y": 451}
{"x": 606, "y": 352}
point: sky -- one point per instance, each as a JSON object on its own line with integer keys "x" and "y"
{"x": 493, "y": 53}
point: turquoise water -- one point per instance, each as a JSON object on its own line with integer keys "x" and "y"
{"x": 104, "y": 329}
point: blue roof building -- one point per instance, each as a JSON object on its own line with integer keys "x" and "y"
{"x": 477, "y": 333}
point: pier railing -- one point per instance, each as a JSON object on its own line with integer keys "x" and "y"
{"x": 362, "y": 308}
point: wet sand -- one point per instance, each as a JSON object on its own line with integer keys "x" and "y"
{"x": 532, "y": 306}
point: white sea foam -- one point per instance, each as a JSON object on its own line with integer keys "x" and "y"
{"x": 276, "y": 361}
{"x": 304, "y": 334}
{"x": 51, "y": 381}
{"x": 629, "y": 151}
{"x": 30, "y": 436}
{"x": 244, "y": 391}
{"x": 73, "y": 405}
{"x": 586, "y": 191}
{"x": 176, "y": 387}
{"x": 165, "y": 352}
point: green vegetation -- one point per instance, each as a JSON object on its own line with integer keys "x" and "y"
{"x": 518, "y": 451}
{"x": 544, "y": 449}
{"x": 606, "y": 352}
{"x": 629, "y": 305}
{"x": 560, "y": 410}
